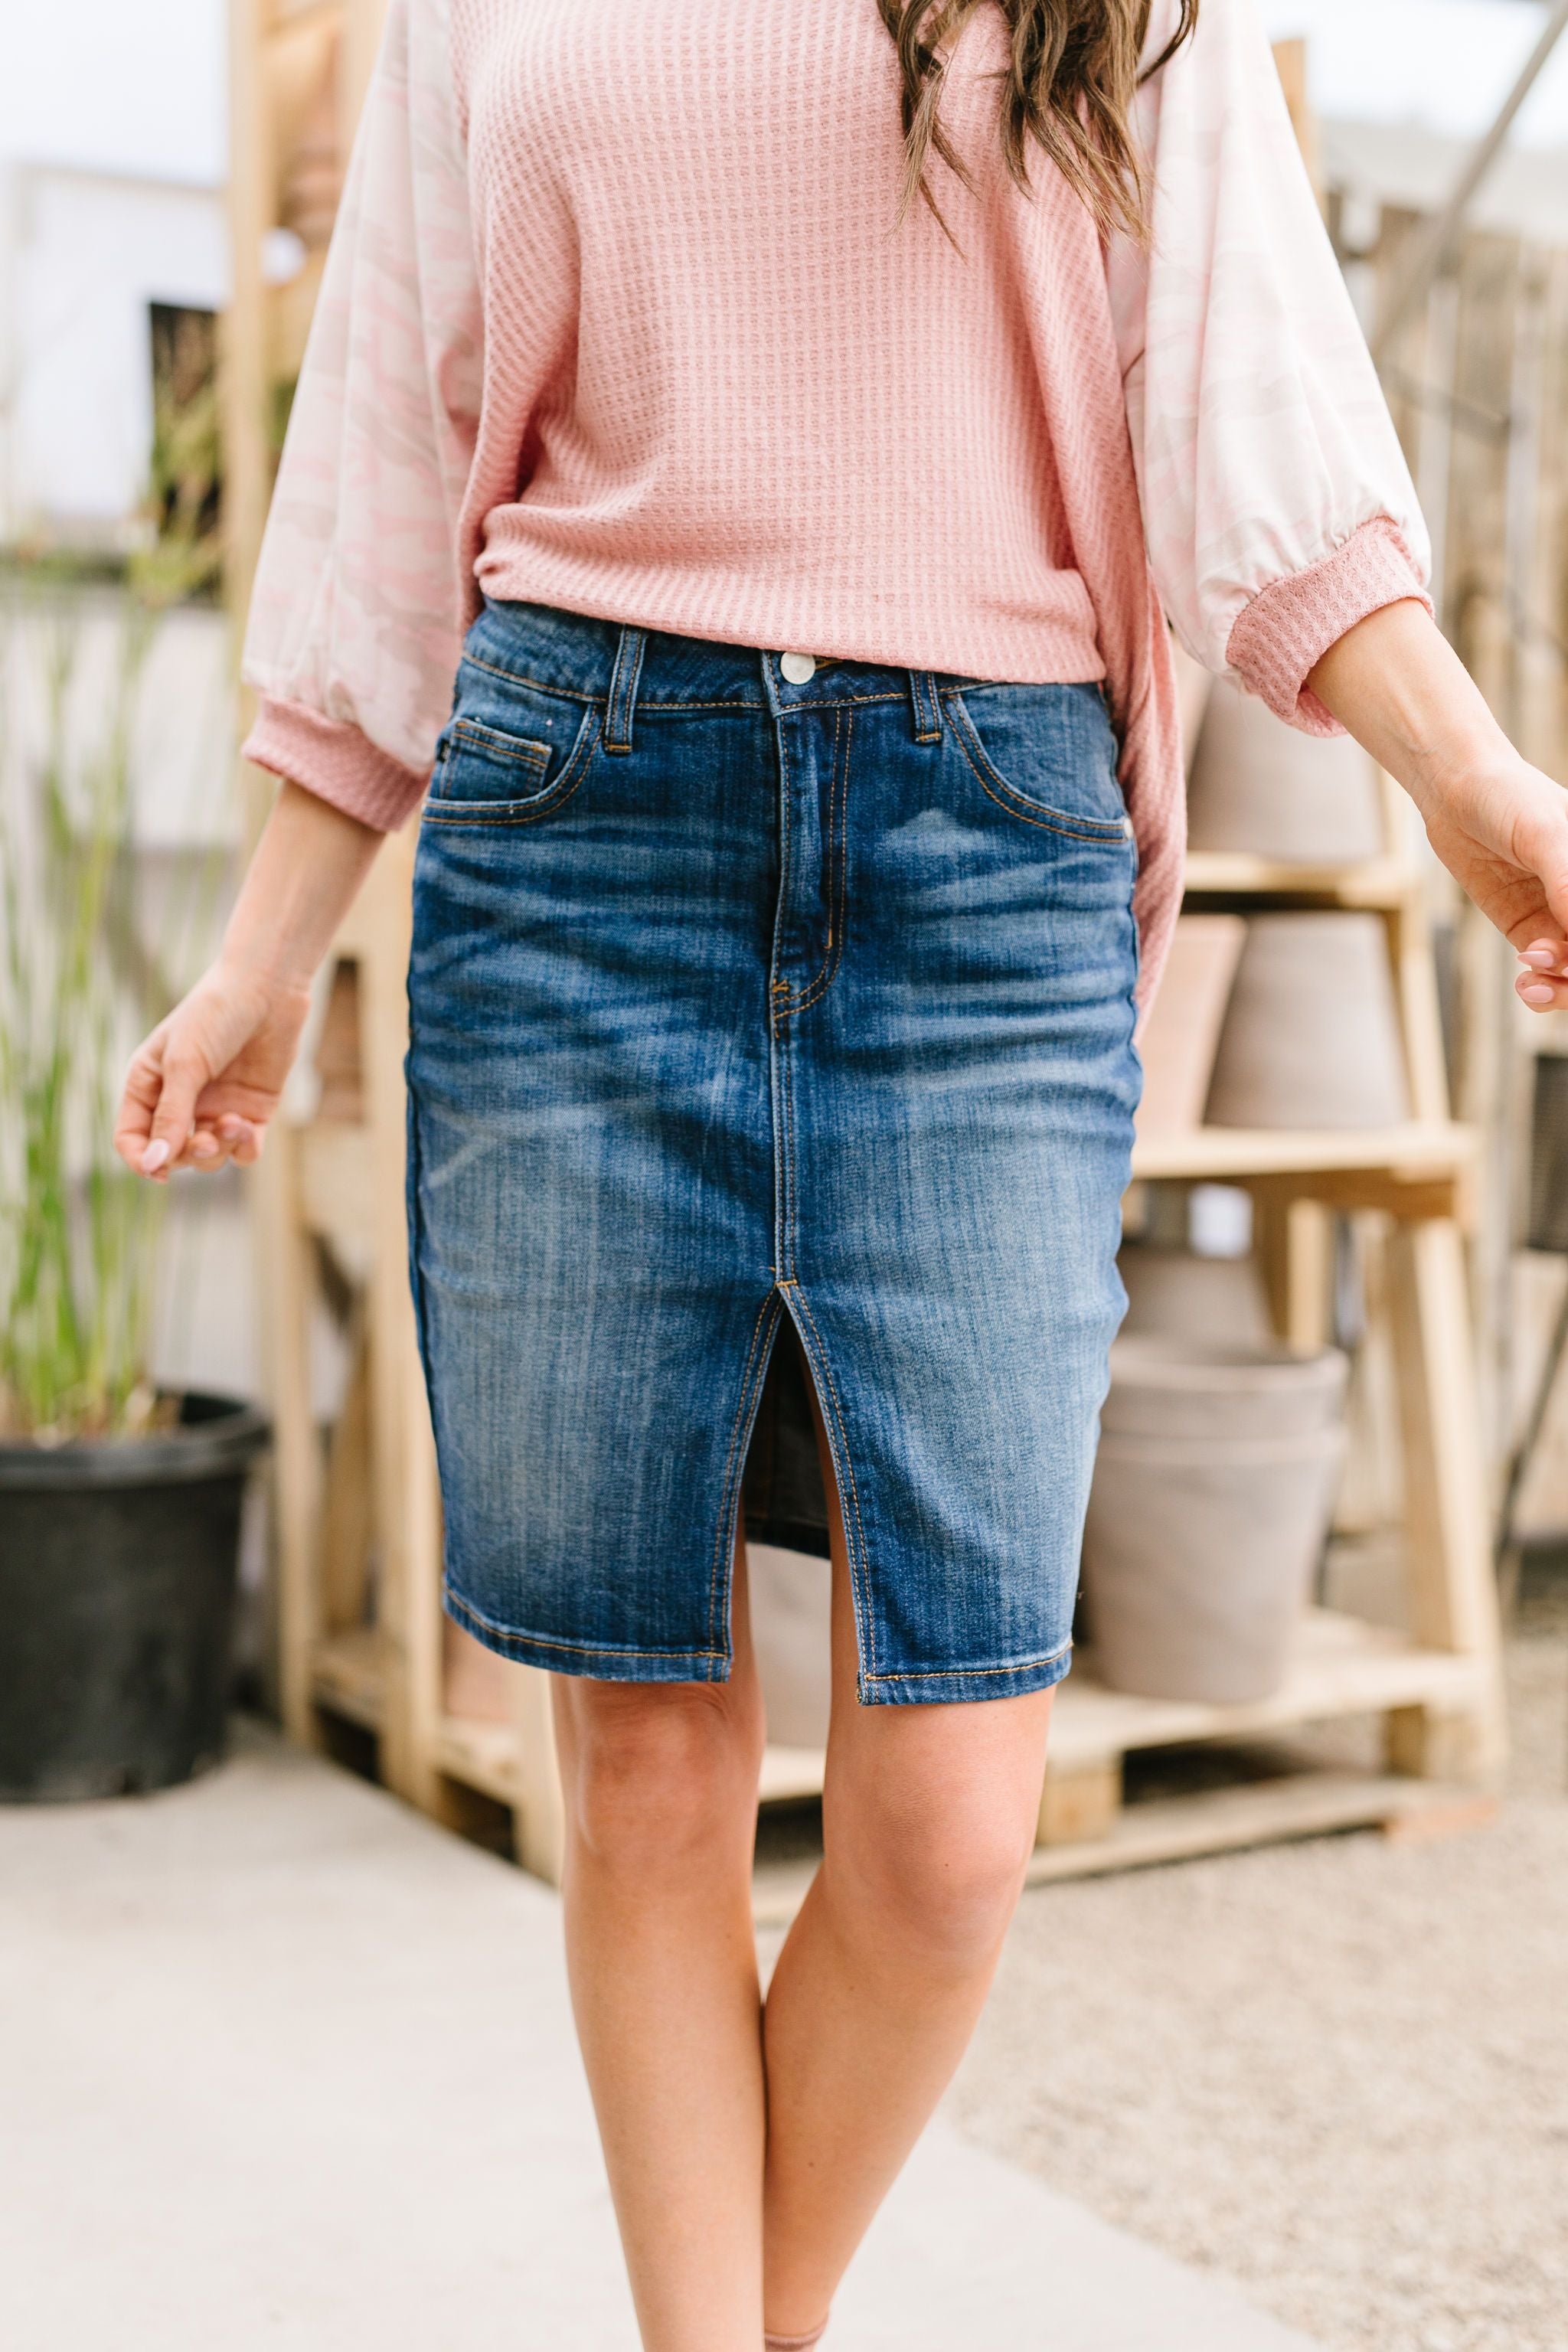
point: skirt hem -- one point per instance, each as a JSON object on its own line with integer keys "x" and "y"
{"x": 610, "y": 1665}
{"x": 934, "y": 1686}
{"x": 950, "y": 1685}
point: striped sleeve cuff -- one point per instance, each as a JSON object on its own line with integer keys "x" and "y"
{"x": 1286, "y": 628}
{"x": 334, "y": 762}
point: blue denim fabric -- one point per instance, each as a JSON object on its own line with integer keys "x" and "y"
{"x": 731, "y": 1000}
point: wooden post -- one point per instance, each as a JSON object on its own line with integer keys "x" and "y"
{"x": 284, "y": 1251}
{"x": 1452, "y": 1593}
{"x": 1080, "y": 1803}
{"x": 538, "y": 1818}
{"x": 406, "y": 1497}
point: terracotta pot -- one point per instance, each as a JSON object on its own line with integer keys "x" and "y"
{"x": 1175, "y": 1293}
{"x": 1180, "y": 1035}
{"x": 791, "y": 1622}
{"x": 1311, "y": 1032}
{"x": 1260, "y": 785}
{"x": 1213, "y": 1492}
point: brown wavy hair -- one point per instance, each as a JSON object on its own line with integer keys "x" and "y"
{"x": 1069, "y": 89}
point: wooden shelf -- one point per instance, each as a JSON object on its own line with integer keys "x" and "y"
{"x": 1342, "y": 1666}
{"x": 1379, "y": 883}
{"x": 1418, "y": 1149}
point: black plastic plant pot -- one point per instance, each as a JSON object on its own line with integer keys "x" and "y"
{"x": 118, "y": 1569}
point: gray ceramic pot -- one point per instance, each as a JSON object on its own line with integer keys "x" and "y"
{"x": 1176, "y": 1293}
{"x": 1311, "y": 1030}
{"x": 1260, "y": 785}
{"x": 1211, "y": 1497}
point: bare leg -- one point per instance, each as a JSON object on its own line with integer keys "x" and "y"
{"x": 661, "y": 1792}
{"x": 929, "y": 1817}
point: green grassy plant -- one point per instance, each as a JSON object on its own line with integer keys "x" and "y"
{"x": 78, "y": 1233}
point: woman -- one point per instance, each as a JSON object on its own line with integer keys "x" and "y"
{"x": 807, "y": 413}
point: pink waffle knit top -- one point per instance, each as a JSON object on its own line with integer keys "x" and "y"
{"x": 619, "y": 316}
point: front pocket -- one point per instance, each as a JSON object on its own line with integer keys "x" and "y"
{"x": 1046, "y": 753}
{"x": 509, "y": 753}
{"x": 486, "y": 773}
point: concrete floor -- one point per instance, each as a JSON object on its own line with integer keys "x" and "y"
{"x": 283, "y": 2066}
{"x": 1337, "y": 2072}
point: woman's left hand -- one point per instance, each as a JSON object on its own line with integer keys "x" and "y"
{"x": 1504, "y": 839}
{"x": 1500, "y": 825}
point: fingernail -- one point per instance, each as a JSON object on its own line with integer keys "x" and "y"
{"x": 1538, "y": 958}
{"x": 152, "y": 1158}
{"x": 1536, "y": 995}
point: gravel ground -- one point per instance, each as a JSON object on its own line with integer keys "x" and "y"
{"x": 1337, "y": 2070}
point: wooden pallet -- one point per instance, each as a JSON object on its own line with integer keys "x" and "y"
{"x": 357, "y": 1507}
{"x": 1304, "y": 1803}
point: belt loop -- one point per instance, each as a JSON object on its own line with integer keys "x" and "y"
{"x": 926, "y": 706}
{"x": 624, "y": 689}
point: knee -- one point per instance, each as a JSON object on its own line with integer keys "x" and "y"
{"x": 940, "y": 1882}
{"x": 657, "y": 1773}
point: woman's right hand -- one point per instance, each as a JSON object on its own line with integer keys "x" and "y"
{"x": 202, "y": 1088}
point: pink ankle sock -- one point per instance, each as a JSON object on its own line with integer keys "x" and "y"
{"x": 796, "y": 2342}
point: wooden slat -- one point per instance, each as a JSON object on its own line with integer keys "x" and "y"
{"x": 1224, "y": 1154}
{"x": 284, "y": 1247}
{"x": 334, "y": 1186}
{"x": 347, "y": 1674}
{"x": 1452, "y": 1590}
{"x": 1342, "y": 1666}
{"x": 1375, "y": 882}
{"x": 348, "y": 1517}
{"x": 335, "y": 1194}
{"x": 1300, "y": 1805}
{"x": 482, "y": 1754}
{"x": 407, "y": 1499}
{"x": 1180, "y": 1828}
{"x": 790, "y": 1772}
{"x": 539, "y": 1827}
{"x": 290, "y": 309}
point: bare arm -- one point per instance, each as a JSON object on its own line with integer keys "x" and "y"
{"x": 203, "y": 1086}
{"x": 1500, "y": 825}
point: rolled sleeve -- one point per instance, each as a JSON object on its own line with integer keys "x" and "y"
{"x": 1283, "y": 633}
{"x": 334, "y": 762}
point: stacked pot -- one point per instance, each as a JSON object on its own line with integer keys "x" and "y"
{"x": 1289, "y": 1018}
{"x": 1264, "y": 787}
{"x": 1211, "y": 1505}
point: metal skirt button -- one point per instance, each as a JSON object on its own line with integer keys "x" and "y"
{"x": 797, "y": 667}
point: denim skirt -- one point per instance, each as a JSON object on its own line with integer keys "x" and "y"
{"x": 751, "y": 992}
